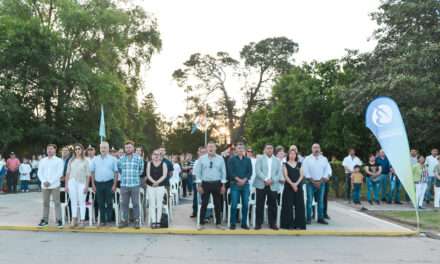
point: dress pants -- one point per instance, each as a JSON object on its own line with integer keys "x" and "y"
{"x": 271, "y": 196}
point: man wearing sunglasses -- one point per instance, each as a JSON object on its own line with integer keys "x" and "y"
{"x": 210, "y": 174}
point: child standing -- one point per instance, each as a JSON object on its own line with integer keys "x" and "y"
{"x": 25, "y": 170}
{"x": 356, "y": 184}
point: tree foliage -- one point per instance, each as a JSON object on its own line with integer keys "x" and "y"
{"x": 62, "y": 59}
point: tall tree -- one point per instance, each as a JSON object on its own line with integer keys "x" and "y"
{"x": 62, "y": 59}
{"x": 404, "y": 65}
{"x": 222, "y": 75}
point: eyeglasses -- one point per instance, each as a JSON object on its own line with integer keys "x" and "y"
{"x": 249, "y": 150}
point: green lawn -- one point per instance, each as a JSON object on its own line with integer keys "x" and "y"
{"x": 429, "y": 220}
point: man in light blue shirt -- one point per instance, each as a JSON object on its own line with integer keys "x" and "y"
{"x": 317, "y": 172}
{"x": 210, "y": 172}
{"x": 104, "y": 169}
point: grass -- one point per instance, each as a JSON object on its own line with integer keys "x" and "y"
{"x": 429, "y": 220}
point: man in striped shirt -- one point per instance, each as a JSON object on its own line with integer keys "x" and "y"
{"x": 130, "y": 166}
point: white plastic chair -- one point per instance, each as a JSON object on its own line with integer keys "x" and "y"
{"x": 64, "y": 207}
{"x": 252, "y": 206}
{"x": 116, "y": 206}
{"x": 199, "y": 207}
{"x": 279, "y": 206}
{"x": 174, "y": 193}
{"x": 90, "y": 206}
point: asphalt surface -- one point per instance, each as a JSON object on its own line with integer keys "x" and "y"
{"x": 47, "y": 248}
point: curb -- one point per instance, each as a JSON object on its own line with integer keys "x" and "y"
{"x": 173, "y": 231}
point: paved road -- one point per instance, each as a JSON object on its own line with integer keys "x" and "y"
{"x": 25, "y": 209}
{"x": 48, "y": 248}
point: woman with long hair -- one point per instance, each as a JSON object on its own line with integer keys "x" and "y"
{"x": 157, "y": 172}
{"x": 293, "y": 194}
{"x": 77, "y": 183}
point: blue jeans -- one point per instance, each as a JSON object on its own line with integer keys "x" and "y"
{"x": 373, "y": 187}
{"x": 357, "y": 192}
{"x": 24, "y": 185}
{"x": 1, "y": 182}
{"x": 428, "y": 193}
{"x": 384, "y": 187}
{"x": 236, "y": 193}
{"x": 311, "y": 191}
{"x": 395, "y": 189}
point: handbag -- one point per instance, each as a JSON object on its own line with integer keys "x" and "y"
{"x": 164, "y": 220}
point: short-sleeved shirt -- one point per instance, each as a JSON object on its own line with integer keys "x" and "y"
{"x": 130, "y": 168}
{"x": 357, "y": 177}
{"x": 13, "y": 164}
{"x": 104, "y": 168}
{"x": 384, "y": 163}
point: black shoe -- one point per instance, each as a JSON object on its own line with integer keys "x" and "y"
{"x": 274, "y": 227}
{"x": 327, "y": 217}
{"x": 257, "y": 227}
{"x": 244, "y": 227}
{"x": 42, "y": 223}
{"x": 377, "y": 202}
{"x": 397, "y": 202}
{"x": 60, "y": 224}
{"x": 193, "y": 216}
{"x": 309, "y": 222}
{"x": 232, "y": 227}
{"x": 389, "y": 202}
{"x": 370, "y": 202}
{"x": 322, "y": 221}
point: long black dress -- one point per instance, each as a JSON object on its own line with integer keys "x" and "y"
{"x": 291, "y": 199}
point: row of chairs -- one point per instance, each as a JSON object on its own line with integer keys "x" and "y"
{"x": 143, "y": 201}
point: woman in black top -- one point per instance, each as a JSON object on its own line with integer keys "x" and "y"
{"x": 373, "y": 172}
{"x": 156, "y": 174}
{"x": 293, "y": 194}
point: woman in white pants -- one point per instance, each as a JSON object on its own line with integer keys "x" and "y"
{"x": 156, "y": 174}
{"x": 420, "y": 176}
{"x": 77, "y": 182}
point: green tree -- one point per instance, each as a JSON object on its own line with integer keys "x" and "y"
{"x": 404, "y": 65}
{"x": 62, "y": 59}
{"x": 260, "y": 63}
{"x": 306, "y": 107}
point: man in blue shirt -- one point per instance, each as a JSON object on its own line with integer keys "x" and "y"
{"x": 383, "y": 161}
{"x": 130, "y": 166}
{"x": 240, "y": 171}
{"x": 210, "y": 174}
{"x": 104, "y": 169}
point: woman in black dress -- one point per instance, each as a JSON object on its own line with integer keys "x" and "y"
{"x": 293, "y": 194}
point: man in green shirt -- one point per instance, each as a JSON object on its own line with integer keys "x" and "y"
{"x": 240, "y": 171}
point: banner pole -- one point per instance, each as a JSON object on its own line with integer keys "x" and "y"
{"x": 418, "y": 220}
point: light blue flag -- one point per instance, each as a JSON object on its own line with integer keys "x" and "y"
{"x": 102, "y": 124}
{"x": 383, "y": 118}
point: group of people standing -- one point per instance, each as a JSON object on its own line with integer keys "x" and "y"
{"x": 104, "y": 174}
{"x": 12, "y": 170}
{"x": 273, "y": 178}
{"x": 279, "y": 182}
{"x": 384, "y": 186}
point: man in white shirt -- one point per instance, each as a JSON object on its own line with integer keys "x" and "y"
{"x": 431, "y": 162}
{"x": 50, "y": 172}
{"x": 349, "y": 162}
{"x": 317, "y": 172}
